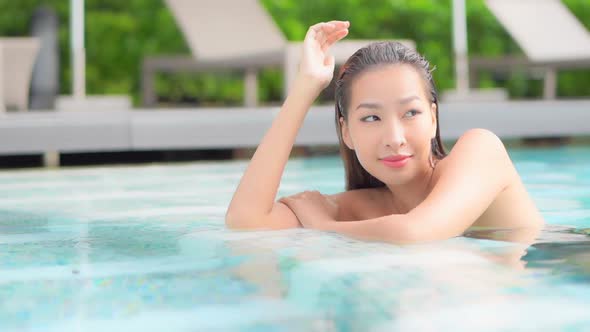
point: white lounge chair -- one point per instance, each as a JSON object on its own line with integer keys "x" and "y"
{"x": 17, "y": 58}
{"x": 234, "y": 34}
{"x": 550, "y": 36}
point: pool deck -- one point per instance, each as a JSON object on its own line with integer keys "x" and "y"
{"x": 210, "y": 128}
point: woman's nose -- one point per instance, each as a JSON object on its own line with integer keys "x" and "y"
{"x": 394, "y": 135}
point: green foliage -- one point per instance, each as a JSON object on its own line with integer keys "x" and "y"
{"x": 119, "y": 34}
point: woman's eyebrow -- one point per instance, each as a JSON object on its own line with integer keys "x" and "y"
{"x": 408, "y": 99}
{"x": 369, "y": 105}
{"x": 375, "y": 105}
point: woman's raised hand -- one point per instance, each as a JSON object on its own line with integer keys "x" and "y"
{"x": 317, "y": 64}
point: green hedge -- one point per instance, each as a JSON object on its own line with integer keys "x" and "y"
{"x": 119, "y": 34}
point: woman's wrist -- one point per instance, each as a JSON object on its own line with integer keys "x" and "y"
{"x": 305, "y": 86}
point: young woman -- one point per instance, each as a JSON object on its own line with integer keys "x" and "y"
{"x": 401, "y": 186}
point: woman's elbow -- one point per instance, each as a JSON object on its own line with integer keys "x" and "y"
{"x": 235, "y": 221}
{"x": 241, "y": 221}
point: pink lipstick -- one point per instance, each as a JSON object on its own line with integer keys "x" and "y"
{"x": 397, "y": 161}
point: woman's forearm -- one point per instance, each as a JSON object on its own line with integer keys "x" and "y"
{"x": 255, "y": 195}
{"x": 392, "y": 228}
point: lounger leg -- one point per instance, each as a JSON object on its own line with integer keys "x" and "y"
{"x": 148, "y": 74}
{"x": 51, "y": 159}
{"x": 79, "y": 74}
{"x": 251, "y": 93}
{"x": 2, "y": 106}
{"x": 550, "y": 85}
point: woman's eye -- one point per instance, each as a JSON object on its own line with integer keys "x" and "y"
{"x": 370, "y": 118}
{"x": 412, "y": 113}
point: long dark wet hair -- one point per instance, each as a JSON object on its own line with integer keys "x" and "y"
{"x": 371, "y": 56}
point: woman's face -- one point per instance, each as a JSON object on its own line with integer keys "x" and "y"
{"x": 390, "y": 117}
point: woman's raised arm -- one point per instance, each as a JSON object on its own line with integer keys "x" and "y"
{"x": 253, "y": 204}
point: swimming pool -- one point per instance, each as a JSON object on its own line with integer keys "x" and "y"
{"x": 145, "y": 248}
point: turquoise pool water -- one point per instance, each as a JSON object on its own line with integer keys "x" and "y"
{"x": 145, "y": 248}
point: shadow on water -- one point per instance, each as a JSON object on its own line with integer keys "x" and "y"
{"x": 564, "y": 251}
{"x": 570, "y": 260}
{"x": 19, "y": 222}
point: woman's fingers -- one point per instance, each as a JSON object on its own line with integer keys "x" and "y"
{"x": 339, "y": 24}
{"x": 302, "y": 195}
{"x": 333, "y": 38}
{"x": 317, "y": 31}
{"x": 322, "y": 32}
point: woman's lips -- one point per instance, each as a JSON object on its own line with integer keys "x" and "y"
{"x": 396, "y": 161}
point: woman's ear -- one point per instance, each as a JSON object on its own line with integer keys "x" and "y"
{"x": 433, "y": 110}
{"x": 345, "y": 133}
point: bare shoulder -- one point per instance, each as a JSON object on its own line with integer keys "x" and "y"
{"x": 478, "y": 143}
{"x": 350, "y": 196}
{"x": 481, "y": 158}
{"x": 478, "y": 147}
{"x": 360, "y": 204}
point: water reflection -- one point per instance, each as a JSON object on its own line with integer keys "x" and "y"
{"x": 348, "y": 284}
{"x": 22, "y": 222}
{"x": 564, "y": 250}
